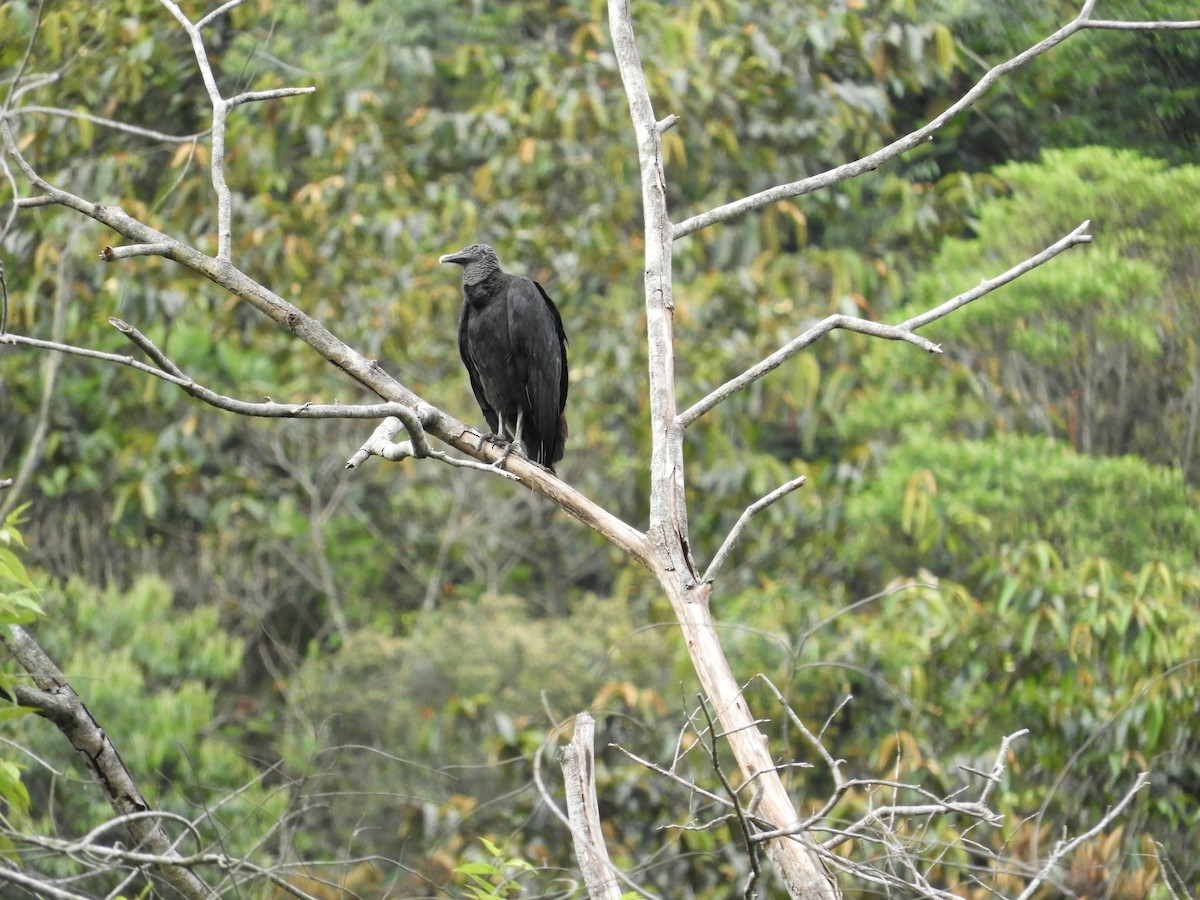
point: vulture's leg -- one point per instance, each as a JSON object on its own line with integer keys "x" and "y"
{"x": 500, "y": 438}
{"x": 515, "y": 441}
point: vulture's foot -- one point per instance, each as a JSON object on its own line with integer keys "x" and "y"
{"x": 508, "y": 443}
{"x": 513, "y": 444}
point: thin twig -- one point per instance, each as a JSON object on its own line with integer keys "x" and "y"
{"x": 1000, "y": 765}
{"x": 814, "y": 742}
{"x": 268, "y": 409}
{"x": 1118, "y": 25}
{"x": 1065, "y": 847}
{"x": 749, "y": 513}
{"x": 748, "y": 835}
{"x": 1078, "y": 235}
{"x": 217, "y": 13}
{"x": 798, "y": 646}
{"x": 136, "y": 130}
{"x": 272, "y": 94}
{"x": 14, "y": 90}
{"x": 667, "y": 773}
{"x": 13, "y": 93}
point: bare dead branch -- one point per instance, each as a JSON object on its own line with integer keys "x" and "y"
{"x": 32, "y": 83}
{"x": 31, "y": 202}
{"x": 14, "y": 92}
{"x": 41, "y": 886}
{"x": 135, "y": 130}
{"x": 15, "y": 89}
{"x": 902, "y": 332}
{"x": 798, "y": 646}
{"x": 749, "y": 513}
{"x": 1172, "y": 881}
{"x": 1079, "y": 235}
{"x": 914, "y": 138}
{"x": 272, "y": 94}
{"x": 1164, "y": 25}
{"x": 268, "y": 409}
{"x": 112, "y": 254}
{"x": 13, "y": 207}
{"x": 89, "y": 847}
{"x": 1064, "y": 847}
{"x": 579, "y": 775}
{"x": 544, "y": 792}
{"x": 56, "y": 700}
{"x": 671, "y": 560}
{"x": 1000, "y": 765}
{"x": 35, "y": 446}
{"x": 834, "y": 765}
{"x": 678, "y": 779}
{"x": 880, "y": 816}
{"x": 218, "y": 12}
{"x": 790, "y": 349}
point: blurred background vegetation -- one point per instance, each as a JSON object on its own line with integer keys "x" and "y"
{"x": 380, "y": 654}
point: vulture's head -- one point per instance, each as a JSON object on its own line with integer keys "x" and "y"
{"x": 478, "y": 262}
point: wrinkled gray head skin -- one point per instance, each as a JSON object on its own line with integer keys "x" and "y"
{"x": 478, "y": 262}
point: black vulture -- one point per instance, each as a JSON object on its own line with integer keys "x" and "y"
{"x": 511, "y": 339}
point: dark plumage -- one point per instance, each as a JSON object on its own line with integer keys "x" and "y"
{"x": 511, "y": 339}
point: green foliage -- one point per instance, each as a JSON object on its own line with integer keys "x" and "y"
{"x": 18, "y": 606}
{"x": 497, "y": 877}
{"x": 1096, "y": 346}
{"x": 134, "y": 660}
{"x": 18, "y": 594}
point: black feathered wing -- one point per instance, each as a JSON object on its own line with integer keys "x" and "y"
{"x": 540, "y": 348}
{"x": 464, "y": 350}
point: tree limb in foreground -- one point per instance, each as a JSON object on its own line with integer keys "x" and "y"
{"x": 55, "y": 700}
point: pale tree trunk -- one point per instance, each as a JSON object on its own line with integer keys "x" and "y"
{"x": 798, "y": 866}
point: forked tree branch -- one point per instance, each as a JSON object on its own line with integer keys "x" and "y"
{"x": 902, "y": 332}
{"x": 220, "y": 111}
{"x": 268, "y": 409}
